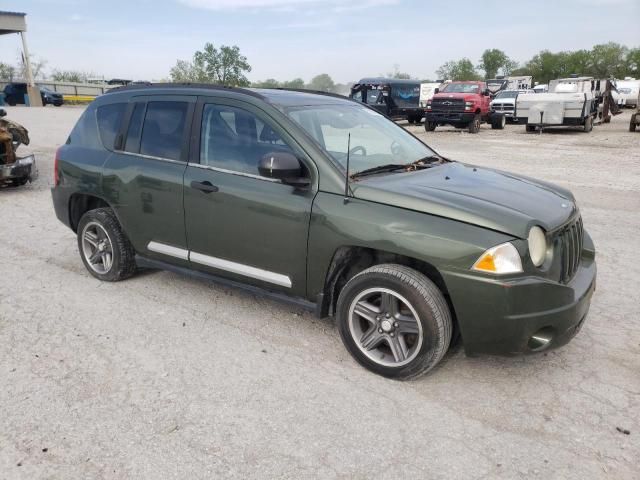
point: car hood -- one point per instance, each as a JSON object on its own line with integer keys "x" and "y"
{"x": 488, "y": 198}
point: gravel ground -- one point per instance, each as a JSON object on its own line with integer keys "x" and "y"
{"x": 165, "y": 376}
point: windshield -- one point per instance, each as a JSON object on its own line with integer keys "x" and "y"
{"x": 507, "y": 94}
{"x": 375, "y": 140}
{"x": 461, "y": 88}
{"x": 374, "y": 97}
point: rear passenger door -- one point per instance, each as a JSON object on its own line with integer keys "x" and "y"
{"x": 143, "y": 178}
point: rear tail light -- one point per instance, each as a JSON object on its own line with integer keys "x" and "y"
{"x": 56, "y": 173}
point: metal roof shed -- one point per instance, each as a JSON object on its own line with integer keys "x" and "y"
{"x": 15, "y": 22}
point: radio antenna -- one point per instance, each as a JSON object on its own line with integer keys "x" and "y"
{"x": 346, "y": 180}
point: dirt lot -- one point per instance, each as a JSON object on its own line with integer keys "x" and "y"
{"x": 164, "y": 376}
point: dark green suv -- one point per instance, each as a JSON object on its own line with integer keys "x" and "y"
{"x": 322, "y": 201}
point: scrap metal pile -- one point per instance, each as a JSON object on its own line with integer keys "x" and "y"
{"x": 14, "y": 170}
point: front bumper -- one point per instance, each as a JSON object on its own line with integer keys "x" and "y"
{"x": 506, "y": 317}
{"x": 450, "y": 117}
{"x": 22, "y": 169}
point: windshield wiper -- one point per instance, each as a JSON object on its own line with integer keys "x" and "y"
{"x": 390, "y": 167}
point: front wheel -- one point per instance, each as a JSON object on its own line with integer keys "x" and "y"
{"x": 588, "y": 124}
{"x": 632, "y": 123}
{"x": 498, "y": 121}
{"x": 394, "y": 321}
{"x": 530, "y": 128}
{"x": 104, "y": 248}
{"x": 474, "y": 126}
{"x": 430, "y": 126}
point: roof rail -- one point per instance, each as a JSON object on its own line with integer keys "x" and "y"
{"x": 315, "y": 92}
{"x": 208, "y": 86}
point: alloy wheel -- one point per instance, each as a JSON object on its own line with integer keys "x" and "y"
{"x": 97, "y": 248}
{"x": 385, "y": 327}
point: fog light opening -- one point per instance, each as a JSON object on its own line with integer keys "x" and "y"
{"x": 541, "y": 339}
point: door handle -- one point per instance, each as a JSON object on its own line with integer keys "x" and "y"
{"x": 206, "y": 186}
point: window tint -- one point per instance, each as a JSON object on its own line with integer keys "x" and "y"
{"x": 163, "y": 129}
{"x": 109, "y": 120}
{"x": 235, "y": 139}
{"x": 135, "y": 128}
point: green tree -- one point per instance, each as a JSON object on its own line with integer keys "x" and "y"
{"x": 297, "y": 83}
{"x": 633, "y": 63}
{"x": 608, "y": 60}
{"x": 224, "y": 66}
{"x": 322, "y": 82}
{"x": 458, "y": 70}
{"x": 492, "y": 61}
{"x": 69, "y": 76}
{"x": 268, "y": 83}
{"x": 7, "y": 72}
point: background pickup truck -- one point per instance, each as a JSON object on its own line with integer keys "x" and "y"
{"x": 462, "y": 105}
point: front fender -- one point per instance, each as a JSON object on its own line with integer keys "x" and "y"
{"x": 445, "y": 244}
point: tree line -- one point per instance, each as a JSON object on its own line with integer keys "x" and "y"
{"x": 601, "y": 61}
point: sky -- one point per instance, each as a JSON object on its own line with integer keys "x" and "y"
{"x": 285, "y": 39}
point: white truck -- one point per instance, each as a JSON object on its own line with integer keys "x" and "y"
{"x": 570, "y": 101}
{"x": 628, "y": 94}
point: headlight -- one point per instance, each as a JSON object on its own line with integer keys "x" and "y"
{"x": 500, "y": 259}
{"x": 537, "y": 245}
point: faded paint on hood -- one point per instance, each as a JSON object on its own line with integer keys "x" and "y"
{"x": 488, "y": 198}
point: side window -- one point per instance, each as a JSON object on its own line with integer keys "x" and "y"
{"x": 109, "y": 120}
{"x": 135, "y": 128}
{"x": 235, "y": 139}
{"x": 163, "y": 129}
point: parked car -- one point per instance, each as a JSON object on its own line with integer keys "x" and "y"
{"x": 462, "y": 105}
{"x": 14, "y": 94}
{"x": 398, "y": 99}
{"x": 326, "y": 203}
{"x": 505, "y": 103}
{"x": 541, "y": 88}
{"x": 570, "y": 101}
{"x": 49, "y": 97}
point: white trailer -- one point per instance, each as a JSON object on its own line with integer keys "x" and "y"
{"x": 427, "y": 91}
{"x": 628, "y": 93}
{"x": 569, "y": 102}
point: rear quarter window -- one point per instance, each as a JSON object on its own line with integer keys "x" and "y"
{"x": 109, "y": 120}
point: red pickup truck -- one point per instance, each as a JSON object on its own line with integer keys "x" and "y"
{"x": 462, "y": 105}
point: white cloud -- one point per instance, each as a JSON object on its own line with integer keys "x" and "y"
{"x": 277, "y": 4}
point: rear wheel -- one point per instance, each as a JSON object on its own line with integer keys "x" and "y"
{"x": 474, "y": 126}
{"x": 394, "y": 321}
{"x": 530, "y": 128}
{"x": 632, "y": 123}
{"x": 104, "y": 248}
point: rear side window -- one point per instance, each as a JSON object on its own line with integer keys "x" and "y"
{"x": 135, "y": 128}
{"x": 163, "y": 129}
{"x": 109, "y": 121}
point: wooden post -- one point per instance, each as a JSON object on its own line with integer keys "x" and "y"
{"x": 34, "y": 92}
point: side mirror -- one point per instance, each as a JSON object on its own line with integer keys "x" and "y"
{"x": 437, "y": 90}
{"x": 3, "y": 112}
{"x": 282, "y": 166}
{"x": 487, "y": 92}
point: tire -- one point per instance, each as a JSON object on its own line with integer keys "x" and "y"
{"x": 430, "y": 126}
{"x": 530, "y": 128}
{"x": 419, "y": 325}
{"x": 100, "y": 228}
{"x": 474, "y": 126}
{"x": 588, "y": 124}
{"x": 632, "y": 123}
{"x": 498, "y": 121}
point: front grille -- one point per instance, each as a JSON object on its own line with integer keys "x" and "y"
{"x": 447, "y": 105}
{"x": 570, "y": 240}
{"x": 502, "y": 107}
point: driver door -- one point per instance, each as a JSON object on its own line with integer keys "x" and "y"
{"x": 239, "y": 224}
